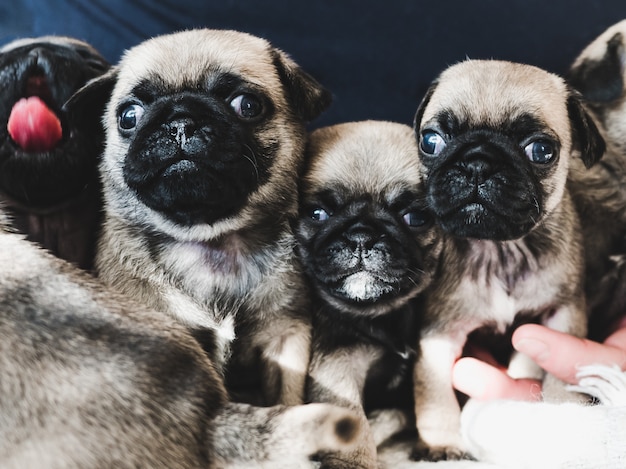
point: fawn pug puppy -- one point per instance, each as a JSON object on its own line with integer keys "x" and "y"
{"x": 368, "y": 246}
{"x": 496, "y": 141}
{"x": 91, "y": 378}
{"x": 598, "y": 73}
{"x": 205, "y": 133}
{"x": 48, "y": 159}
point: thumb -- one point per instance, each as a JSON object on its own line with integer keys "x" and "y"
{"x": 562, "y": 354}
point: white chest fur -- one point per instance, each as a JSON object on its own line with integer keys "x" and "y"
{"x": 205, "y": 272}
{"x": 502, "y": 280}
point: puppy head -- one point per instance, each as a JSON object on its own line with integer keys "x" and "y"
{"x": 48, "y": 70}
{"x": 598, "y": 73}
{"x": 205, "y": 133}
{"x": 364, "y": 237}
{"x": 495, "y": 140}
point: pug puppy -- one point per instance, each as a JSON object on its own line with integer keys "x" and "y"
{"x": 368, "y": 246}
{"x": 93, "y": 379}
{"x": 496, "y": 141}
{"x": 598, "y": 73}
{"x": 49, "y": 160}
{"x": 205, "y": 132}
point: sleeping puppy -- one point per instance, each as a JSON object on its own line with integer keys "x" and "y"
{"x": 48, "y": 161}
{"x": 496, "y": 140}
{"x": 92, "y": 379}
{"x": 598, "y": 73}
{"x": 368, "y": 247}
{"x": 205, "y": 134}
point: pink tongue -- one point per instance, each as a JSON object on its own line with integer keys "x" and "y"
{"x": 33, "y": 126}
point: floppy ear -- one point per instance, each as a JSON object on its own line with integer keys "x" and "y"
{"x": 85, "y": 107}
{"x": 585, "y": 134}
{"x": 422, "y": 106}
{"x": 601, "y": 81}
{"x": 308, "y": 96}
{"x": 94, "y": 61}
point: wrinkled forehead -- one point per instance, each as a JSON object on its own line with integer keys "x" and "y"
{"x": 377, "y": 159}
{"x": 491, "y": 94}
{"x": 187, "y": 59}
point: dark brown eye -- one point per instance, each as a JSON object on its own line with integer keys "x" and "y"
{"x": 246, "y": 106}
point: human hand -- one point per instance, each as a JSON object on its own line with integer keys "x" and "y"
{"x": 558, "y": 353}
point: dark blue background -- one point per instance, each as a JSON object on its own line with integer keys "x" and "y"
{"x": 377, "y": 57}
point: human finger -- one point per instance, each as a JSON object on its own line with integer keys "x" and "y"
{"x": 483, "y": 381}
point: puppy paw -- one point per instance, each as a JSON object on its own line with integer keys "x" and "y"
{"x": 422, "y": 452}
{"x": 361, "y": 455}
{"x": 282, "y": 437}
{"x": 333, "y": 462}
{"x": 557, "y": 392}
{"x": 323, "y": 427}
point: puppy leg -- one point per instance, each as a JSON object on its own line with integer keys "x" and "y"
{"x": 522, "y": 366}
{"x": 286, "y": 353}
{"x": 570, "y": 319}
{"x": 281, "y": 437}
{"x": 385, "y": 423}
{"x": 339, "y": 378}
{"x": 437, "y": 410}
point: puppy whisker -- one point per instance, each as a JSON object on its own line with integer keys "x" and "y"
{"x": 416, "y": 273}
{"x": 252, "y": 159}
{"x": 536, "y": 205}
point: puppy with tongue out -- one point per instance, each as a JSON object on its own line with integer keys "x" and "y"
{"x": 49, "y": 146}
{"x": 33, "y": 126}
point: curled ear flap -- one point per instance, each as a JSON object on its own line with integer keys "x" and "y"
{"x": 85, "y": 107}
{"x": 585, "y": 134}
{"x": 307, "y": 95}
{"x": 422, "y": 106}
{"x": 601, "y": 81}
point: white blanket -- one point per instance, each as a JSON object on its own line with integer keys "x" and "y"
{"x": 526, "y": 435}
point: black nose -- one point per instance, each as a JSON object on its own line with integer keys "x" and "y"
{"x": 477, "y": 166}
{"x": 478, "y": 163}
{"x": 360, "y": 236}
{"x": 38, "y": 61}
{"x": 181, "y": 129}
